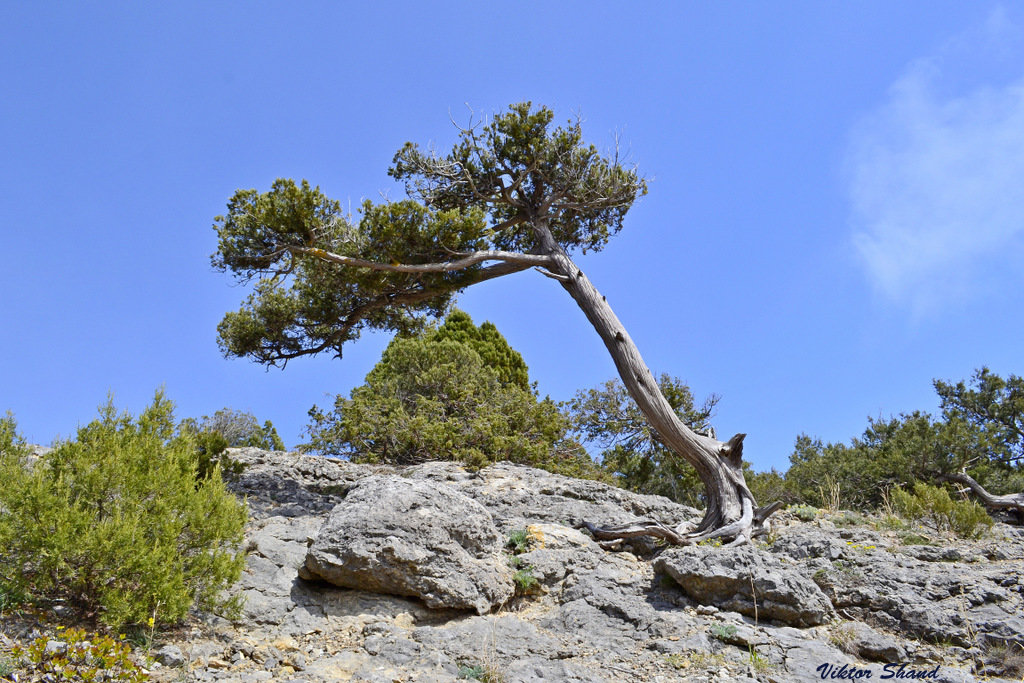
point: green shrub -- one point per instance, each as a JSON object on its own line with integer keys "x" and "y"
{"x": 519, "y": 541}
{"x": 805, "y": 513}
{"x": 911, "y": 538}
{"x": 240, "y": 428}
{"x": 933, "y": 505}
{"x": 723, "y": 632}
{"x": 211, "y": 452}
{"x": 891, "y": 522}
{"x": 228, "y": 428}
{"x": 471, "y": 672}
{"x": 117, "y": 522}
{"x": 79, "y": 656}
{"x": 847, "y": 518}
{"x": 12, "y": 597}
{"x": 758, "y": 662}
{"x": 484, "y": 673}
{"x": 526, "y": 582}
{"x": 968, "y": 519}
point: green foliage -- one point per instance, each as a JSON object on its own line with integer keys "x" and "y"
{"x": 758, "y": 662}
{"x": 805, "y": 513}
{"x": 14, "y": 453}
{"x": 473, "y": 672}
{"x": 211, "y": 455}
{"x": 723, "y": 632}
{"x": 677, "y": 661}
{"x": 490, "y": 345}
{"x": 932, "y": 504}
{"x": 894, "y": 452}
{"x": 981, "y": 431}
{"x": 989, "y": 412}
{"x": 768, "y": 486}
{"x": 7, "y": 666}
{"x": 302, "y": 304}
{"x": 891, "y": 522}
{"x": 483, "y": 195}
{"x": 847, "y": 518}
{"x": 519, "y": 541}
{"x": 80, "y": 656}
{"x": 239, "y": 429}
{"x": 227, "y": 428}
{"x": 12, "y": 597}
{"x": 118, "y": 521}
{"x": 526, "y": 582}
{"x": 586, "y": 195}
{"x": 912, "y": 538}
{"x": 481, "y": 672}
{"x": 434, "y": 398}
{"x": 634, "y": 453}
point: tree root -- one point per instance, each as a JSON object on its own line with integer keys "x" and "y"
{"x": 753, "y": 522}
{"x": 633, "y": 530}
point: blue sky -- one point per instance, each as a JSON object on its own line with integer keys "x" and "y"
{"x": 835, "y": 216}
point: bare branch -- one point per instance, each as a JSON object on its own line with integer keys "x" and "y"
{"x": 553, "y": 276}
{"x": 468, "y": 260}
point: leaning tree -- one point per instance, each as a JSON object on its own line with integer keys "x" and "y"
{"x": 511, "y": 195}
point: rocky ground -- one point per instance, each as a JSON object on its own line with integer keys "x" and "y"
{"x": 437, "y": 589}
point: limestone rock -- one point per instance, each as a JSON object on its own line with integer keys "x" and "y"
{"x": 863, "y": 641}
{"x": 170, "y": 655}
{"x": 736, "y": 578}
{"x": 413, "y": 538}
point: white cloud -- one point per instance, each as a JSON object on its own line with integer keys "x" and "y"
{"x": 937, "y": 178}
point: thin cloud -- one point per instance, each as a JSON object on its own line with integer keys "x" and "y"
{"x": 937, "y": 179}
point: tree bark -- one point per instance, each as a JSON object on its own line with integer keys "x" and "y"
{"x": 731, "y": 511}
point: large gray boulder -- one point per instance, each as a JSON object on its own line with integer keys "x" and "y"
{"x": 413, "y": 538}
{"x": 747, "y": 580}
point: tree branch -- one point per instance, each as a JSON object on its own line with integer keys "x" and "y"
{"x": 468, "y": 260}
{"x": 382, "y": 301}
{"x": 553, "y": 276}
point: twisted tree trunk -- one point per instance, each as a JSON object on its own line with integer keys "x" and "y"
{"x": 731, "y": 511}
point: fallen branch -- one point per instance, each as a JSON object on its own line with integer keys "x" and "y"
{"x": 1010, "y": 501}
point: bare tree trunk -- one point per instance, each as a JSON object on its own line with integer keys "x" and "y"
{"x": 1010, "y": 501}
{"x": 731, "y": 510}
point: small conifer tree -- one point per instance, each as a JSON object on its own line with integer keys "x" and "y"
{"x": 459, "y": 392}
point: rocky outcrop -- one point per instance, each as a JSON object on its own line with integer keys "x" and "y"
{"x": 825, "y": 596}
{"x": 968, "y": 594}
{"x": 413, "y": 538}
